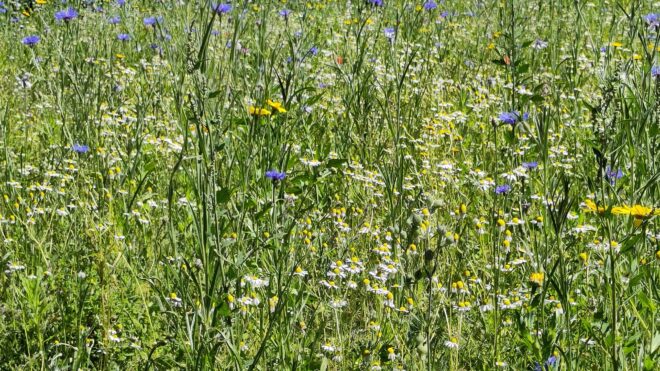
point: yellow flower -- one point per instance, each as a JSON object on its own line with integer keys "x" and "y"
{"x": 584, "y": 257}
{"x": 537, "y": 278}
{"x": 636, "y": 211}
{"x": 590, "y": 207}
{"x": 277, "y": 106}
{"x": 255, "y": 111}
{"x": 42, "y": 2}
{"x": 616, "y": 44}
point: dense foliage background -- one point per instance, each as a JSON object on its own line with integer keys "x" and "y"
{"x": 322, "y": 184}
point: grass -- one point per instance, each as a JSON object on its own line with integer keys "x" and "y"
{"x": 342, "y": 185}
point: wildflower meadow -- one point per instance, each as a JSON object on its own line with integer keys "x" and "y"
{"x": 330, "y": 185}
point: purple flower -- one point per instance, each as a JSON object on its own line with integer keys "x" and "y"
{"x": 66, "y": 15}
{"x": 653, "y": 20}
{"x": 221, "y": 8}
{"x": 80, "y": 148}
{"x": 655, "y": 71}
{"x": 375, "y": 2}
{"x": 430, "y": 5}
{"x": 512, "y": 117}
{"x": 114, "y": 20}
{"x": 314, "y": 50}
{"x": 123, "y": 37}
{"x": 551, "y": 362}
{"x": 508, "y": 118}
{"x": 502, "y": 189}
{"x": 539, "y": 44}
{"x": 121, "y": 2}
{"x": 150, "y": 21}
{"x": 530, "y": 165}
{"x": 613, "y": 175}
{"x": 390, "y": 32}
{"x": 275, "y": 175}
{"x": 285, "y": 13}
{"x": 31, "y": 40}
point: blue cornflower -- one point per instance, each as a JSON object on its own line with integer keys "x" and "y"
{"x": 221, "y": 8}
{"x": 66, "y": 15}
{"x": 31, "y": 40}
{"x": 502, "y": 189}
{"x": 114, "y": 20}
{"x": 80, "y": 148}
{"x": 655, "y": 71}
{"x": 530, "y": 165}
{"x": 550, "y": 362}
{"x": 444, "y": 14}
{"x": 508, "y": 118}
{"x": 430, "y": 5}
{"x": 390, "y": 32}
{"x": 123, "y": 37}
{"x": 3, "y": 10}
{"x": 275, "y": 175}
{"x": 653, "y": 20}
{"x": 375, "y": 2}
{"x": 285, "y": 13}
{"x": 613, "y": 175}
{"x": 539, "y": 44}
{"x": 314, "y": 50}
{"x": 121, "y": 2}
{"x": 150, "y": 21}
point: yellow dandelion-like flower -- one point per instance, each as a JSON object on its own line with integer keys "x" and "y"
{"x": 584, "y": 257}
{"x": 276, "y": 106}
{"x": 636, "y": 211}
{"x": 591, "y": 207}
{"x": 537, "y": 278}
{"x": 256, "y": 111}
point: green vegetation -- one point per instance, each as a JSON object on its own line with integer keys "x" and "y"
{"x": 333, "y": 185}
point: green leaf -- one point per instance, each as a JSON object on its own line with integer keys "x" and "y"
{"x": 649, "y": 364}
{"x": 655, "y": 343}
{"x": 223, "y": 195}
{"x": 224, "y": 310}
{"x": 523, "y": 68}
{"x": 337, "y": 162}
{"x": 646, "y": 302}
